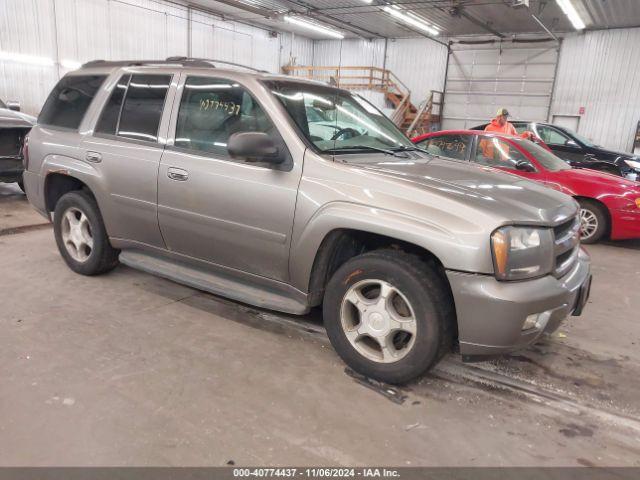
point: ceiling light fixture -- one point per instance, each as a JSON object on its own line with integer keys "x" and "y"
{"x": 412, "y": 20}
{"x": 30, "y": 59}
{"x": 314, "y": 26}
{"x": 570, "y": 11}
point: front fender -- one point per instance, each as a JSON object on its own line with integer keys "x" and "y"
{"x": 446, "y": 245}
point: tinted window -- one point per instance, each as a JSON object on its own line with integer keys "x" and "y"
{"x": 69, "y": 100}
{"x": 143, "y": 105}
{"x": 495, "y": 152}
{"x": 108, "y": 122}
{"x": 211, "y": 110}
{"x": 452, "y": 146}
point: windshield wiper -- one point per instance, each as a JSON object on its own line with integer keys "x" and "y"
{"x": 395, "y": 153}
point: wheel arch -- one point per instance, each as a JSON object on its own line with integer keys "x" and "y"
{"x": 342, "y": 244}
{"x": 57, "y": 184}
{"x": 602, "y": 205}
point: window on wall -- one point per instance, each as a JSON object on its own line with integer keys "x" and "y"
{"x": 69, "y": 100}
{"x": 451, "y": 146}
{"x": 211, "y": 110}
{"x": 496, "y": 152}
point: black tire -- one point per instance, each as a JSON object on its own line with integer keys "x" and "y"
{"x": 599, "y": 213}
{"x": 102, "y": 257}
{"x": 426, "y": 292}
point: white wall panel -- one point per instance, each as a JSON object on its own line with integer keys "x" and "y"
{"x": 420, "y": 63}
{"x": 351, "y": 52}
{"x": 601, "y": 72}
{"x": 82, "y": 30}
{"x": 26, "y": 28}
{"x": 296, "y": 50}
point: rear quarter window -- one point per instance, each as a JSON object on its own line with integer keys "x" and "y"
{"x": 69, "y": 100}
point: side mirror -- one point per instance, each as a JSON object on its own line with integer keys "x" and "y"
{"x": 254, "y": 147}
{"x": 13, "y": 105}
{"x": 525, "y": 166}
{"x": 570, "y": 143}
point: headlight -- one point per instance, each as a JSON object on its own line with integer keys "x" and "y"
{"x": 633, "y": 164}
{"x": 522, "y": 252}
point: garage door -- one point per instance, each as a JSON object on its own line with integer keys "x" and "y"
{"x": 482, "y": 79}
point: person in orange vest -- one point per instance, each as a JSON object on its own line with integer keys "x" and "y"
{"x": 500, "y": 125}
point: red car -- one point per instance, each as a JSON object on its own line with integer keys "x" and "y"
{"x": 609, "y": 204}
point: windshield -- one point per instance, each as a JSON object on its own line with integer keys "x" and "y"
{"x": 547, "y": 159}
{"x": 2, "y": 104}
{"x": 582, "y": 139}
{"x": 335, "y": 120}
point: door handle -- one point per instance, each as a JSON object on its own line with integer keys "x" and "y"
{"x": 177, "y": 174}
{"x": 93, "y": 157}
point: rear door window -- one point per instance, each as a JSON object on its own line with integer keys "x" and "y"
{"x": 143, "y": 106}
{"x": 451, "y": 146}
{"x": 69, "y": 100}
{"x": 108, "y": 122}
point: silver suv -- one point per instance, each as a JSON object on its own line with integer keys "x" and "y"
{"x": 289, "y": 194}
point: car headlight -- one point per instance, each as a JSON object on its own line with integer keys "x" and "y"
{"x": 522, "y": 252}
{"x": 633, "y": 164}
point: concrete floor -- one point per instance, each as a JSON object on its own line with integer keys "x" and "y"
{"x": 130, "y": 369}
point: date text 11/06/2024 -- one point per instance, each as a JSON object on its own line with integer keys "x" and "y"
{"x": 316, "y": 472}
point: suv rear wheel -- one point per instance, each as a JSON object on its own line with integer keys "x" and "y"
{"x": 388, "y": 315}
{"x": 81, "y": 236}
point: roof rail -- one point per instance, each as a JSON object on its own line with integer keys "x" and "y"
{"x": 183, "y": 61}
{"x": 137, "y": 63}
{"x": 211, "y": 61}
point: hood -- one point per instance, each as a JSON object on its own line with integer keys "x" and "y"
{"x": 613, "y": 153}
{"x": 613, "y": 183}
{"x": 10, "y": 118}
{"x": 513, "y": 198}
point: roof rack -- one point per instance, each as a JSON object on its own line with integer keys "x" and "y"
{"x": 183, "y": 61}
{"x": 211, "y": 61}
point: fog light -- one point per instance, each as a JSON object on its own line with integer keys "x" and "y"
{"x": 537, "y": 321}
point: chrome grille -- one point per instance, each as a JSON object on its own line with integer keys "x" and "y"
{"x": 567, "y": 245}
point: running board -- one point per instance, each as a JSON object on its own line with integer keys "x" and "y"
{"x": 218, "y": 284}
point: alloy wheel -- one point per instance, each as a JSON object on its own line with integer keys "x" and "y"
{"x": 378, "y": 321}
{"x": 588, "y": 224}
{"x": 76, "y": 234}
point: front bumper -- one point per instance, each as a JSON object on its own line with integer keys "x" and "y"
{"x": 491, "y": 314}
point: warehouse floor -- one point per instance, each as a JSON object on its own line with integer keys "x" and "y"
{"x": 130, "y": 369}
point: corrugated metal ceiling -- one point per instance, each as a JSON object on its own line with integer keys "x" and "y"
{"x": 452, "y": 17}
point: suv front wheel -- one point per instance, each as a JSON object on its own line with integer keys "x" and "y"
{"x": 81, "y": 236}
{"x": 388, "y": 315}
